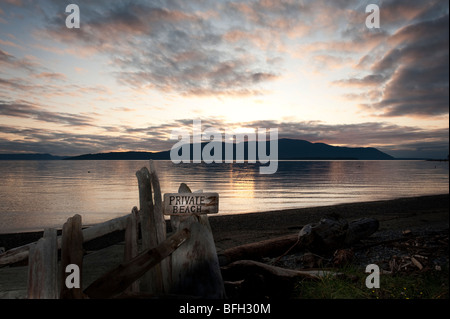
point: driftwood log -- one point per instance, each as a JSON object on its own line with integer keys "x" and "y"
{"x": 331, "y": 233}
{"x": 120, "y": 278}
{"x": 258, "y": 250}
{"x": 248, "y": 278}
{"x": 324, "y": 236}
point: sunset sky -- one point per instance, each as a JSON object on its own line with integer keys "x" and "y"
{"x": 135, "y": 70}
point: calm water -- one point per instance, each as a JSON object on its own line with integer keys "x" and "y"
{"x": 37, "y": 194}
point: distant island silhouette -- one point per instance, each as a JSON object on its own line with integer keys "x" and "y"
{"x": 288, "y": 149}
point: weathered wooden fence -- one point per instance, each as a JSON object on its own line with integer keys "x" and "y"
{"x": 184, "y": 264}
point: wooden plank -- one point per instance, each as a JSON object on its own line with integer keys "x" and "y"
{"x": 175, "y": 220}
{"x": 119, "y": 278}
{"x": 131, "y": 243}
{"x": 191, "y": 203}
{"x": 105, "y": 228}
{"x": 17, "y": 254}
{"x": 71, "y": 253}
{"x": 43, "y": 267}
{"x": 195, "y": 266}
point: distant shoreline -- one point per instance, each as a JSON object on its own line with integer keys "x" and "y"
{"x": 285, "y": 149}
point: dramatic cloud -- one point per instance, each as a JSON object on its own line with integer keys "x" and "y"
{"x": 22, "y": 110}
{"x": 171, "y": 49}
{"x": 410, "y": 70}
{"x": 419, "y": 68}
{"x": 214, "y": 48}
{"x": 9, "y": 61}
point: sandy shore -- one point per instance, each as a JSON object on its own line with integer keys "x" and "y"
{"x": 426, "y": 212}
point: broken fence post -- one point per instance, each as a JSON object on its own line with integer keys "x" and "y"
{"x": 131, "y": 243}
{"x": 43, "y": 267}
{"x": 195, "y": 265}
{"x": 160, "y": 225}
{"x": 72, "y": 254}
{"x": 153, "y": 225}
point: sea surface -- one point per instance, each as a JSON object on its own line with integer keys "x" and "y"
{"x": 39, "y": 194}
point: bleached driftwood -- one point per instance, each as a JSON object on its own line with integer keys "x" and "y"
{"x": 195, "y": 266}
{"x": 43, "y": 268}
{"x": 119, "y": 278}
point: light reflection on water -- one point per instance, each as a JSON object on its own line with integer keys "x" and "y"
{"x": 36, "y": 194}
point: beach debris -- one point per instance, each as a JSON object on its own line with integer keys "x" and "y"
{"x": 419, "y": 253}
{"x": 327, "y": 235}
{"x": 407, "y": 232}
{"x": 331, "y": 233}
{"x": 310, "y": 260}
{"x": 249, "y": 278}
{"x": 416, "y": 263}
{"x": 342, "y": 257}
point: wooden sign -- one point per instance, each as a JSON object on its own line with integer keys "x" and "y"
{"x": 191, "y": 203}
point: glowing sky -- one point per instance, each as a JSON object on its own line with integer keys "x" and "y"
{"x": 135, "y": 70}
